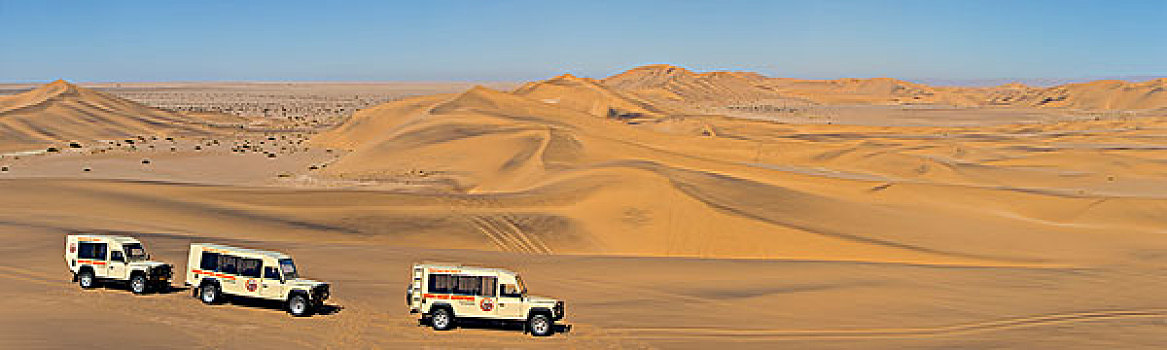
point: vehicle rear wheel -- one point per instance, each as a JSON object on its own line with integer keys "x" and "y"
{"x": 540, "y": 325}
{"x": 442, "y": 319}
{"x": 138, "y": 284}
{"x": 298, "y": 305}
{"x": 86, "y": 280}
{"x": 209, "y": 293}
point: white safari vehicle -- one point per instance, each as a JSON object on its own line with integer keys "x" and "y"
{"x": 214, "y": 271}
{"x": 445, "y": 293}
{"x": 95, "y": 258}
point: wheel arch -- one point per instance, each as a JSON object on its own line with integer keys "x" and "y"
{"x": 297, "y": 291}
{"x": 539, "y": 310}
{"x": 211, "y": 281}
{"x": 441, "y": 305}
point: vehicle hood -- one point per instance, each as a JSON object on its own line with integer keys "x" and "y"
{"x": 146, "y": 264}
{"x": 541, "y": 300}
{"x": 300, "y": 282}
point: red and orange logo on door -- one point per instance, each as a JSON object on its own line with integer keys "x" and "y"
{"x": 252, "y": 285}
{"x": 486, "y": 304}
{"x": 72, "y": 247}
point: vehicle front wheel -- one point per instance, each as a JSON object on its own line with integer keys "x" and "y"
{"x": 138, "y": 284}
{"x": 442, "y": 319}
{"x": 298, "y": 305}
{"x": 86, "y": 280}
{"x": 540, "y": 325}
{"x": 209, "y": 294}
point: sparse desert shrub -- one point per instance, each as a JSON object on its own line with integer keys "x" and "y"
{"x": 313, "y": 167}
{"x": 198, "y": 148}
{"x": 52, "y": 150}
{"x": 3, "y": 169}
{"x": 74, "y": 145}
{"x": 145, "y": 161}
{"x": 87, "y": 169}
{"x": 271, "y": 155}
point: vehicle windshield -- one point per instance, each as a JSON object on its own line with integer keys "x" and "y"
{"x": 134, "y": 251}
{"x": 522, "y": 287}
{"x": 289, "y": 269}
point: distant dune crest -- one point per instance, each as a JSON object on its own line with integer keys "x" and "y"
{"x": 671, "y": 83}
{"x": 62, "y": 112}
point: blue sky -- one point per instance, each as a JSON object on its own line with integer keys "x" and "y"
{"x": 524, "y": 40}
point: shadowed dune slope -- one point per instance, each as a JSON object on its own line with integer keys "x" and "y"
{"x": 61, "y": 112}
{"x": 720, "y": 187}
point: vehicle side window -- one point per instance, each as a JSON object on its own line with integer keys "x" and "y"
{"x": 249, "y": 267}
{"x": 468, "y": 285}
{"x": 489, "y": 284}
{"x": 116, "y": 256}
{"x": 91, "y": 251}
{"x": 271, "y": 272}
{"x": 210, "y": 261}
{"x": 442, "y": 283}
{"x": 228, "y": 264}
{"x": 510, "y": 291}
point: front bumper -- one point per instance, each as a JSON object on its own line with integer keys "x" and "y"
{"x": 161, "y": 273}
{"x": 320, "y": 293}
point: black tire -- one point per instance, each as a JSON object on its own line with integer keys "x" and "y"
{"x": 299, "y": 305}
{"x": 86, "y": 280}
{"x": 139, "y": 285}
{"x": 210, "y": 294}
{"x": 442, "y": 319}
{"x": 540, "y": 325}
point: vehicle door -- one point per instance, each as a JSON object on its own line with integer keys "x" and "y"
{"x": 464, "y": 297}
{"x": 510, "y": 298}
{"x": 487, "y": 296}
{"x": 250, "y": 273}
{"x": 96, "y": 255}
{"x": 272, "y": 285}
{"x": 117, "y": 265}
{"x": 228, "y": 270}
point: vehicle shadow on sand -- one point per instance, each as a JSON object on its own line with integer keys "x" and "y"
{"x": 277, "y": 305}
{"x": 125, "y": 287}
{"x": 494, "y": 325}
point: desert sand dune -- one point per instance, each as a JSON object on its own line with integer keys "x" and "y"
{"x": 589, "y": 96}
{"x": 1103, "y": 94}
{"x": 745, "y": 189}
{"x": 62, "y": 112}
{"x": 666, "y": 83}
